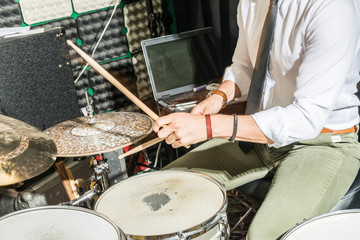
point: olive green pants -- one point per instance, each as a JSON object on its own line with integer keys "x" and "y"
{"x": 310, "y": 176}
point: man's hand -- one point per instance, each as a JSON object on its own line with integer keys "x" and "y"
{"x": 210, "y": 105}
{"x": 181, "y": 129}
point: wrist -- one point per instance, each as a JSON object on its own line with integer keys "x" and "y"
{"x": 220, "y": 95}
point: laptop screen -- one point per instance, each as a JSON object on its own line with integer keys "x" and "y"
{"x": 179, "y": 62}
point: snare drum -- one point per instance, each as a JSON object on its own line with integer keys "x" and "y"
{"x": 169, "y": 204}
{"x": 337, "y": 225}
{"x": 58, "y": 222}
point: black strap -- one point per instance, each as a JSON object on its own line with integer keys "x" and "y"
{"x": 154, "y": 19}
{"x": 262, "y": 60}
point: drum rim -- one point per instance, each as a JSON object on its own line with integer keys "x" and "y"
{"x": 63, "y": 207}
{"x": 316, "y": 218}
{"x": 202, "y": 228}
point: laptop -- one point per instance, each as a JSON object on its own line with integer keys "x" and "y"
{"x": 180, "y": 64}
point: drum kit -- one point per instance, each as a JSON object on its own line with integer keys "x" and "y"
{"x": 153, "y": 205}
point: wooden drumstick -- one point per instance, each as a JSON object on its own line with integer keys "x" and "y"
{"x": 114, "y": 81}
{"x": 141, "y": 147}
{"x": 67, "y": 180}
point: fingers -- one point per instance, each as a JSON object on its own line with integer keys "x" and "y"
{"x": 165, "y": 126}
{"x": 174, "y": 139}
{"x": 161, "y": 122}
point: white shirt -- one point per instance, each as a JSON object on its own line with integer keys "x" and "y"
{"x": 313, "y": 70}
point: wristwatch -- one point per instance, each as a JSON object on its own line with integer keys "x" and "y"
{"x": 221, "y": 93}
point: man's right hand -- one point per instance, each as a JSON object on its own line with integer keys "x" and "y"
{"x": 210, "y": 105}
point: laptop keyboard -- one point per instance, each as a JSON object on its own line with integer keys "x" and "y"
{"x": 186, "y": 97}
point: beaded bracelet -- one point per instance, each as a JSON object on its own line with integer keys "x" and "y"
{"x": 235, "y": 128}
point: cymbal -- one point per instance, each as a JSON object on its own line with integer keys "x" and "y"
{"x": 112, "y": 131}
{"x": 25, "y": 151}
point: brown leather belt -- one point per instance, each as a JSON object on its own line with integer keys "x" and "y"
{"x": 349, "y": 130}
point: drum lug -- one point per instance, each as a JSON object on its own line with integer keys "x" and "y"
{"x": 181, "y": 236}
{"x": 224, "y": 227}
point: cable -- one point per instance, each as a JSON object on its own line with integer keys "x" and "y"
{"x": 100, "y": 38}
{"x": 157, "y": 155}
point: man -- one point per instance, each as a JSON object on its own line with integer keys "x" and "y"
{"x": 305, "y": 133}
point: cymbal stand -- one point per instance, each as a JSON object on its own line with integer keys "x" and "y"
{"x": 90, "y": 110}
{"x": 101, "y": 170}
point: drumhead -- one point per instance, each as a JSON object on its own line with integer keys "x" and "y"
{"x": 337, "y": 225}
{"x": 162, "y": 202}
{"x": 58, "y": 222}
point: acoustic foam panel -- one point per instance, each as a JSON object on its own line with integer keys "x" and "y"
{"x": 91, "y": 26}
{"x": 106, "y": 97}
{"x": 136, "y": 23}
{"x": 81, "y": 6}
{"x": 36, "y": 79}
{"x": 35, "y": 11}
{"x": 142, "y": 77}
{"x": 10, "y": 15}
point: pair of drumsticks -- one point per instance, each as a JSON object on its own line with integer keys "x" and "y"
{"x": 125, "y": 91}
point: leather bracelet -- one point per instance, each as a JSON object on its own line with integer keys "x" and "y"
{"x": 208, "y": 126}
{"x": 221, "y": 93}
{"x": 235, "y": 128}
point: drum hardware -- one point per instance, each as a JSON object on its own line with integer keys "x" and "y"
{"x": 89, "y": 109}
{"x": 86, "y": 198}
{"x": 223, "y": 234}
{"x": 25, "y": 151}
{"x": 101, "y": 171}
{"x": 251, "y": 208}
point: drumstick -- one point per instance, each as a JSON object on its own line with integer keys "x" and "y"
{"x": 72, "y": 184}
{"x": 114, "y": 81}
{"x": 61, "y": 169}
{"x": 141, "y": 147}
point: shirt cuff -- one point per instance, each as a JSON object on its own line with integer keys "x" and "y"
{"x": 273, "y": 127}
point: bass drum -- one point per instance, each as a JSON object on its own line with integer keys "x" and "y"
{"x": 168, "y": 204}
{"x": 58, "y": 222}
{"x": 339, "y": 225}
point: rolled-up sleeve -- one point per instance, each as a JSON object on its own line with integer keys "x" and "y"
{"x": 330, "y": 45}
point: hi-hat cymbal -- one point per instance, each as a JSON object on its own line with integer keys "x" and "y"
{"x": 112, "y": 131}
{"x": 25, "y": 151}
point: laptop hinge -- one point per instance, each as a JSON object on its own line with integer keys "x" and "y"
{"x": 167, "y": 96}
